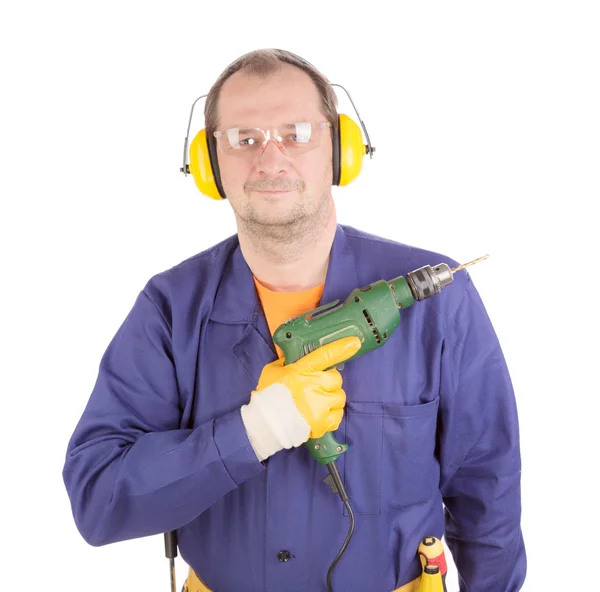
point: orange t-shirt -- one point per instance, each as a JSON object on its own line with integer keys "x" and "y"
{"x": 281, "y": 306}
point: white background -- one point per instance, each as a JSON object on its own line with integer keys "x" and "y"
{"x": 486, "y": 121}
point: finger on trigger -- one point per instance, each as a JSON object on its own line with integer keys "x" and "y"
{"x": 331, "y": 354}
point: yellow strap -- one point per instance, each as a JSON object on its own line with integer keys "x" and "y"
{"x": 195, "y": 584}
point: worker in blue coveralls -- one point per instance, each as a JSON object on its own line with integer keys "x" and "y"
{"x": 195, "y": 425}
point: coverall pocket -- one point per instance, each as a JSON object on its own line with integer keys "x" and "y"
{"x": 391, "y": 459}
{"x": 411, "y": 472}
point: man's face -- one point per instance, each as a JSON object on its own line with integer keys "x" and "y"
{"x": 269, "y": 187}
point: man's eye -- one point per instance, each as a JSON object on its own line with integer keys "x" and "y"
{"x": 300, "y": 138}
{"x": 247, "y": 141}
{"x": 297, "y": 138}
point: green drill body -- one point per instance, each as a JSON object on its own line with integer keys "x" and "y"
{"x": 371, "y": 313}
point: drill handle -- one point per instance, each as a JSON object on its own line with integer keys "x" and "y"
{"x": 326, "y": 449}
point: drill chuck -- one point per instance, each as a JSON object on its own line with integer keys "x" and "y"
{"x": 428, "y": 281}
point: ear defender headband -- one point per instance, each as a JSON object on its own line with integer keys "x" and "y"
{"x": 348, "y": 152}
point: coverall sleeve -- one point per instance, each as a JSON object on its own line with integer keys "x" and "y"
{"x": 130, "y": 471}
{"x": 480, "y": 454}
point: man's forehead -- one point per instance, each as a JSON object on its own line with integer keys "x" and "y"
{"x": 285, "y": 96}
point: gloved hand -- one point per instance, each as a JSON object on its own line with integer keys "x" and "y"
{"x": 299, "y": 401}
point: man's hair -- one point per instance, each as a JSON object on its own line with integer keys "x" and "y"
{"x": 264, "y": 62}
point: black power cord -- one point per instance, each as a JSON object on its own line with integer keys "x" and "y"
{"x": 341, "y": 490}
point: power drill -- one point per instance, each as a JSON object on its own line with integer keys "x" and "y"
{"x": 372, "y": 314}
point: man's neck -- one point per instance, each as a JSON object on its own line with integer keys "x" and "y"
{"x": 289, "y": 259}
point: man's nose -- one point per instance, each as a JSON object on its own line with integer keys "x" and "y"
{"x": 272, "y": 157}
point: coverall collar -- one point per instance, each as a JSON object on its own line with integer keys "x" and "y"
{"x": 237, "y": 301}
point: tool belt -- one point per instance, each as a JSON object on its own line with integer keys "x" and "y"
{"x": 195, "y": 584}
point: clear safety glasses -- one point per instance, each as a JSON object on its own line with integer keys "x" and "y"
{"x": 291, "y": 138}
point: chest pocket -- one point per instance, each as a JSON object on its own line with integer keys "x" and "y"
{"x": 391, "y": 460}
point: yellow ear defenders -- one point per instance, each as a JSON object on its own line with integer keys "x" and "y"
{"x": 348, "y": 152}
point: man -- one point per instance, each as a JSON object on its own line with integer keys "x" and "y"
{"x": 196, "y": 425}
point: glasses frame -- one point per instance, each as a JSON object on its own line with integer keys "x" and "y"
{"x": 268, "y": 136}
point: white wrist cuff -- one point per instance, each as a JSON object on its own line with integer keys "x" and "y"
{"x": 273, "y": 421}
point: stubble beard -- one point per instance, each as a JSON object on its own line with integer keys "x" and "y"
{"x": 288, "y": 232}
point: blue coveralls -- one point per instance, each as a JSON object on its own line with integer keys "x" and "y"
{"x": 430, "y": 419}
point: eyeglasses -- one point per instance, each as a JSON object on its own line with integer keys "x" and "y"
{"x": 291, "y": 138}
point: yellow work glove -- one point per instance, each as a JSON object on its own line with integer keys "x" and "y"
{"x": 317, "y": 393}
{"x": 298, "y": 401}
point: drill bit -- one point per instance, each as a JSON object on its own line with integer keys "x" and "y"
{"x": 459, "y": 267}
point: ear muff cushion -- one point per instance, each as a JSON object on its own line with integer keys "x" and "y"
{"x": 201, "y": 167}
{"x": 352, "y": 149}
{"x": 214, "y": 161}
{"x": 335, "y": 153}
